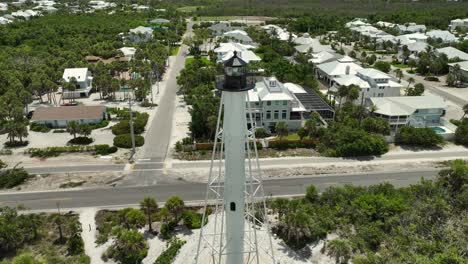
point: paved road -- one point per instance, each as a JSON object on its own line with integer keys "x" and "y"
{"x": 125, "y": 196}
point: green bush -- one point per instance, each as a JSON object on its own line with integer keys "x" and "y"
{"x": 285, "y": 144}
{"x": 14, "y": 144}
{"x": 105, "y": 149}
{"x": 423, "y": 137}
{"x": 382, "y": 66}
{"x": 13, "y": 177}
{"x": 192, "y": 219}
{"x": 39, "y": 128}
{"x": 147, "y": 104}
{"x": 461, "y": 134}
{"x": 167, "y": 229}
{"x": 168, "y": 256}
{"x": 431, "y": 79}
{"x": 6, "y": 152}
{"x": 56, "y": 151}
{"x": 261, "y": 133}
{"x": 59, "y": 131}
{"x": 125, "y": 141}
{"x": 80, "y": 141}
{"x": 139, "y": 123}
{"x": 102, "y": 124}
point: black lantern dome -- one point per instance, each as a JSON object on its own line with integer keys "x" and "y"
{"x": 235, "y": 75}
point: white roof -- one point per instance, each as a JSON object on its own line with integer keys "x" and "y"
{"x": 385, "y": 24}
{"x": 445, "y": 35}
{"x": 231, "y": 46}
{"x": 373, "y": 73}
{"x": 128, "y": 51}
{"x": 417, "y": 36}
{"x": 294, "y": 88}
{"x": 347, "y": 80}
{"x": 404, "y": 40}
{"x": 79, "y": 73}
{"x": 417, "y": 46}
{"x": 340, "y": 67}
{"x": 4, "y": 21}
{"x": 406, "y": 105}
{"x": 237, "y": 31}
{"x": 266, "y": 92}
{"x": 315, "y": 45}
{"x": 463, "y": 65}
{"x": 141, "y": 30}
{"x": 246, "y": 55}
{"x": 321, "y": 57}
{"x": 304, "y": 39}
{"x": 452, "y": 53}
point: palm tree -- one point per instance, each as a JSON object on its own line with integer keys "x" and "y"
{"x": 175, "y": 205}
{"x": 340, "y": 250}
{"x": 58, "y": 220}
{"x": 353, "y": 93}
{"x": 410, "y": 81}
{"x": 281, "y": 129}
{"x": 73, "y": 128}
{"x": 373, "y": 108}
{"x": 465, "y": 111}
{"x": 399, "y": 74}
{"x": 150, "y": 206}
{"x": 342, "y": 92}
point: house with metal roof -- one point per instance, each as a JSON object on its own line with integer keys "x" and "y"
{"x": 226, "y": 51}
{"x": 410, "y": 28}
{"x": 324, "y": 56}
{"x": 330, "y": 70}
{"x": 140, "y": 34}
{"x": 84, "y": 82}
{"x": 57, "y": 117}
{"x": 417, "y": 111}
{"x": 272, "y": 101}
{"x": 453, "y": 53}
{"x": 238, "y": 36}
{"x": 445, "y": 35}
{"x": 461, "y": 23}
{"x": 313, "y": 46}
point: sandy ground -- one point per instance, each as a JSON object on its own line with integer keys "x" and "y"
{"x": 81, "y": 159}
{"x": 156, "y": 247}
{"x": 88, "y": 234}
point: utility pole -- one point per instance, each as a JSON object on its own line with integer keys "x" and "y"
{"x": 132, "y": 134}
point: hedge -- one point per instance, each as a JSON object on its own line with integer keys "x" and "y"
{"x": 424, "y": 137}
{"x": 125, "y": 141}
{"x": 209, "y": 146}
{"x": 192, "y": 219}
{"x": 105, "y": 149}
{"x": 39, "y": 128}
{"x": 168, "y": 256}
{"x": 285, "y": 144}
{"x": 56, "y": 151}
{"x": 139, "y": 123}
{"x": 80, "y": 141}
{"x": 13, "y": 177}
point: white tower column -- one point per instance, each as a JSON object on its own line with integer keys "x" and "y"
{"x": 235, "y": 129}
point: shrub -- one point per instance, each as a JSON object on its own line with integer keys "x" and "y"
{"x": 424, "y": 137}
{"x": 14, "y": 144}
{"x": 147, "y": 104}
{"x": 285, "y": 144}
{"x": 261, "y": 133}
{"x": 431, "y": 79}
{"x": 39, "y": 128}
{"x": 105, "y": 149}
{"x": 55, "y": 151}
{"x": 6, "y": 152}
{"x": 102, "y": 124}
{"x": 13, "y": 177}
{"x": 59, "y": 131}
{"x": 125, "y": 141}
{"x": 192, "y": 219}
{"x": 167, "y": 229}
{"x": 461, "y": 134}
{"x": 80, "y": 141}
{"x": 139, "y": 123}
{"x": 167, "y": 257}
{"x": 382, "y": 66}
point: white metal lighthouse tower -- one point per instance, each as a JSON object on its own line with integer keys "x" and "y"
{"x": 238, "y": 230}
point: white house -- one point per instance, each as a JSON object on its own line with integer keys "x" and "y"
{"x": 140, "y": 34}
{"x": 461, "y": 23}
{"x": 272, "y": 102}
{"x": 314, "y": 46}
{"x": 417, "y": 111}
{"x": 373, "y": 83}
{"x": 4, "y": 21}
{"x": 304, "y": 39}
{"x": 343, "y": 66}
{"x": 27, "y": 14}
{"x": 453, "y": 53}
{"x": 239, "y": 36}
{"x": 463, "y": 67}
{"x": 3, "y": 7}
{"x": 280, "y": 33}
{"x": 410, "y": 28}
{"x": 60, "y": 116}
{"x": 384, "y": 24}
{"x": 414, "y": 48}
{"x": 445, "y": 35}
{"x": 324, "y": 56}
{"x": 226, "y": 50}
{"x": 357, "y": 22}
{"x": 128, "y": 52}
{"x": 84, "y": 82}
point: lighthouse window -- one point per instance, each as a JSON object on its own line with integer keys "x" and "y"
{"x": 233, "y": 206}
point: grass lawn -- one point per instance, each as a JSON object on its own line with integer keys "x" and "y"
{"x": 174, "y": 51}
{"x": 291, "y": 136}
{"x": 189, "y": 60}
{"x": 400, "y": 65}
{"x": 217, "y": 18}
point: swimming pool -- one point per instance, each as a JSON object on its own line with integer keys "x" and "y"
{"x": 438, "y": 130}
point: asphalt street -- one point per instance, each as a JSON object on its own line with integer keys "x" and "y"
{"x": 195, "y": 192}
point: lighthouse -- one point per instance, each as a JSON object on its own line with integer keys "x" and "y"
{"x": 234, "y": 186}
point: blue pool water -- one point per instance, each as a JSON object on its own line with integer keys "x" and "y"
{"x": 438, "y": 130}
